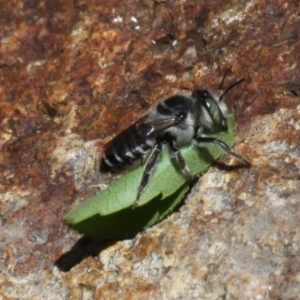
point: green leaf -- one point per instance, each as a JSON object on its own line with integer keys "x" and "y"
{"x": 110, "y": 214}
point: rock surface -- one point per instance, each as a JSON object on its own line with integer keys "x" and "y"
{"x": 75, "y": 73}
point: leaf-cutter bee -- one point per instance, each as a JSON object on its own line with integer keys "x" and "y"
{"x": 176, "y": 122}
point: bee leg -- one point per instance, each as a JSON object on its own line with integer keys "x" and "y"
{"x": 149, "y": 166}
{"x": 205, "y": 141}
{"x": 184, "y": 169}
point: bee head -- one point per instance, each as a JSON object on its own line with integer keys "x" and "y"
{"x": 211, "y": 110}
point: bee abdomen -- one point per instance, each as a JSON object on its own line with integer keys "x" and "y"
{"x": 122, "y": 151}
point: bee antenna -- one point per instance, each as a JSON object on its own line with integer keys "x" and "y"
{"x": 223, "y": 79}
{"x": 231, "y": 86}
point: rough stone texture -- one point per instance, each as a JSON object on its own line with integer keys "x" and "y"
{"x": 74, "y": 73}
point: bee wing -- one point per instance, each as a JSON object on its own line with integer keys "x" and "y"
{"x": 156, "y": 126}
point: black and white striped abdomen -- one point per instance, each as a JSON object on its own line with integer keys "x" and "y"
{"x": 126, "y": 148}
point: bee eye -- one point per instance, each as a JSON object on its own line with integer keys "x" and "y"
{"x": 211, "y": 105}
{"x": 214, "y": 110}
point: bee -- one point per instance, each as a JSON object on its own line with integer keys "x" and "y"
{"x": 174, "y": 123}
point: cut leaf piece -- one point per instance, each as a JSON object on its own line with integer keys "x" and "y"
{"x": 128, "y": 222}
